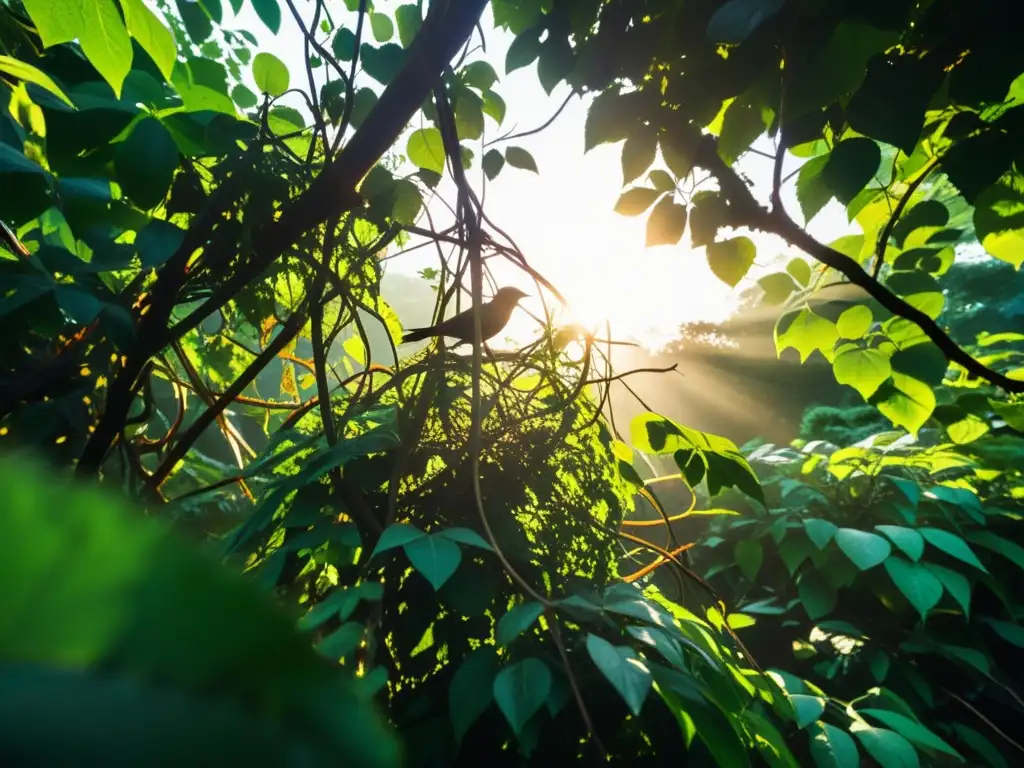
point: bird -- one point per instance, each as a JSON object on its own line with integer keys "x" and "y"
{"x": 494, "y": 315}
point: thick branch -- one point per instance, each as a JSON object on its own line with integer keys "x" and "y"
{"x": 748, "y": 212}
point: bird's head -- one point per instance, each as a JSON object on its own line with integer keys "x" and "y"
{"x": 509, "y": 296}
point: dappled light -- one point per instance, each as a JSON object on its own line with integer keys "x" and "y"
{"x": 511, "y": 382}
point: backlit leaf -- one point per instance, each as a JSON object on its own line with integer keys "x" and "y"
{"x": 518, "y": 157}
{"x": 425, "y": 149}
{"x": 105, "y": 41}
{"x": 731, "y": 259}
{"x": 635, "y": 201}
{"x": 862, "y": 369}
{"x": 666, "y": 223}
{"x": 270, "y": 74}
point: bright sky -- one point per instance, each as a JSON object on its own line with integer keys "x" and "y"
{"x": 563, "y": 219}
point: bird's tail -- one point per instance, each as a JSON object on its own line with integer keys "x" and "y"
{"x": 416, "y": 334}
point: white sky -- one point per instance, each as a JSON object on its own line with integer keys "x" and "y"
{"x": 562, "y": 219}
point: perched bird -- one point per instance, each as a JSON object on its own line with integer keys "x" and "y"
{"x": 494, "y": 315}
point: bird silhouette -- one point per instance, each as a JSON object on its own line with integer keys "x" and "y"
{"x": 494, "y": 315}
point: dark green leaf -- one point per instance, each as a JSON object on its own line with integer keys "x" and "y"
{"x": 396, "y": 535}
{"x": 197, "y": 23}
{"x": 866, "y": 550}
{"x": 383, "y": 63}
{"x": 494, "y": 106}
{"x": 518, "y": 157}
{"x": 890, "y": 105}
{"x": 479, "y": 75}
{"x": 146, "y": 162}
{"x": 435, "y": 557}
{"x": 930, "y": 213}
{"x": 816, "y": 595}
{"x": 157, "y": 242}
{"x": 919, "y": 585}
{"x": 623, "y": 669}
{"x": 608, "y": 121}
{"x": 269, "y": 12}
{"x": 952, "y": 545}
{"x": 520, "y": 689}
{"x": 736, "y": 20}
{"x": 517, "y": 621}
{"x": 851, "y": 165}
{"x": 820, "y": 532}
{"x": 976, "y": 163}
{"x": 638, "y": 152}
{"x": 523, "y": 50}
{"x": 889, "y": 749}
{"x": 749, "y": 554}
{"x": 910, "y": 542}
{"x": 807, "y": 708}
{"x": 708, "y": 213}
{"x": 742, "y": 125}
{"x": 832, "y": 747}
{"x": 981, "y": 745}
{"x": 493, "y": 162}
{"x": 344, "y": 44}
{"x": 666, "y": 223}
{"x": 912, "y": 731}
{"x": 472, "y": 689}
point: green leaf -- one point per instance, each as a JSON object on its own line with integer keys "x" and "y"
{"x": 342, "y": 642}
{"x": 866, "y": 550}
{"x": 851, "y": 165}
{"x": 383, "y": 63}
{"x": 408, "y": 19}
{"x": 664, "y": 643}
{"x": 130, "y": 587}
{"x": 157, "y": 241}
{"x": 912, "y": 731}
{"x": 494, "y": 106}
{"x": 862, "y": 369}
{"x": 383, "y": 29}
{"x": 777, "y": 287}
{"x": 21, "y": 71}
{"x": 981, "y": 745}
{"x": 479, "y": 75}
{"x": 816, "y": 595}
{"x": 918, "y": 584}
{"x": 807, "y": 708}
{"x": 197, "y": 22}
{"x": 731, "y": 259}
{"x": 269, "y": 12}
{"x": 105, "y": 42}
{"x": 146, "y": 162}
{"x": 666, "y": 224}
{"x": 425, "y": 149}
{"x": 58, "y": 21}
{"x": 974, "y": 164}
{"x": 952, "y": 545}
{"x": 662, "y": 181}
{"x": 910, "y": 542}
{"x": 638, "y": 152}
{"x": 466, "y": 536}
{"x": 999, "y": 223}
{"x": 469, "y": 115}
{"x": 890, "y": 105}
{"x": 623, "y": 669}
{"x": 956, "y": 584}
{"x": 435, "y": 557}
{"x": 820, "y": 532}
{"x": 518, "y": 157}
{"x": 909, "y": 404}
{"x": 1010, "y": 632}
{"x": 806, "y": 333}
{"x": 736, "y": 20}
{"x": 635, "y": 201}
{"x": 344, "y": 44}
{"x": 270, "y": 74}
{"x": 245, "y": 98}
{"x": 525, "y": 48}
{"x": 493, "y": 162}
{"x": 151, "y": 34}
{"x": 472, "y": 689}
{"x": 854, "y": 322}
{"x": 396, "y": 535}
{"x": 889, "y": 749}
{"x": 517, "y": 621}
{"x": 678, "y": 151}
{"x": 741, "y": 126}
{"x": 520, "y": 689}
{"x": 800, "y": 271}
{"x": 832, "y": 747}
{"x": 811, "y": 190}
{"x": 749, "y": 556}
{"x": 929, "y": 213}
